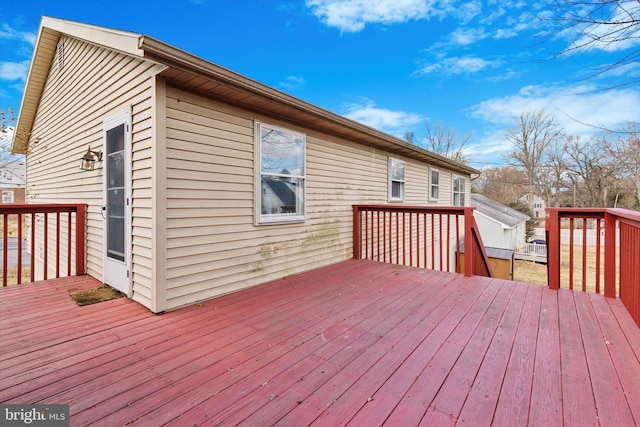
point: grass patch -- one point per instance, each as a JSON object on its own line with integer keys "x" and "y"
{"x": 93, "y": 296}
{"x": 531, "y": 272}
{"x": 12, "y": 275}
{"x": 12, "y": 225}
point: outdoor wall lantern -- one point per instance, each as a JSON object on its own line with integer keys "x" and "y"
{"x": 88, "y": 160}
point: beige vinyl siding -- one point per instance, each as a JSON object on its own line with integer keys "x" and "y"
{"x": 446, "y": 188}
{"x": 93, "y": 84}
{"x": 142, "y": 123}
{"x": 213, "y": 246}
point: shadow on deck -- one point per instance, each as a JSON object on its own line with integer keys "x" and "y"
{"x": 358, "y": 343}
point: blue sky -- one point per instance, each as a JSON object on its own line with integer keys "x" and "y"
{"x": 394, "y": 65}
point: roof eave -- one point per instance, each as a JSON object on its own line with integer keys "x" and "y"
{"x": 174, "y": 57}
{"x": 150, "y": 48}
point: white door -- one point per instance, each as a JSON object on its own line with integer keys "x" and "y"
{"x": 116, "y": 210}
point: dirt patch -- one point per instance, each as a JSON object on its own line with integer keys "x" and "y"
{"x": 92, "y": 296}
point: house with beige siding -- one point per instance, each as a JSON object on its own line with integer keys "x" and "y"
{"x": 205, "y": 182}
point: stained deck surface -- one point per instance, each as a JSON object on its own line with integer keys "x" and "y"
{"x": 357, "y": 343}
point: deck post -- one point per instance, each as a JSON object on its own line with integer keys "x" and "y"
{"x": 5, "y": 248}
{"x": 609, "y": 255}
{"x": 552, "y": 229}
{"x": 81, "y": 219}
{"x": 357, "y": 236}
{"x": 469, "y": 246}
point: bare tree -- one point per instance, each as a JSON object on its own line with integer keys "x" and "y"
{"x": 445, "y": 141}
{"x": 606, "y": 25}
{"x": 504, "y": 184}
{"x": 8, "y": 162}
{"x": 6, "y": 119}
{"x": 625, "y": 149}
{"x": 441, "y": 140}
{"x": 532, "y": 136}
{"x": 554, "y": 174}
{"x": 410, "y": 136}
{"x": 592, "y": 171}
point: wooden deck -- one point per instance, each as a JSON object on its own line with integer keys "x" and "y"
{"x": 358, "y": 343}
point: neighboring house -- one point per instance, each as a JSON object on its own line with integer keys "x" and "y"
{"x": 537, "y": 204}
{"x": 500, "y": 226}
{"x": 12, "y": 183}
{"x": 206, "y": 182}
{"x": 279, "y": 196}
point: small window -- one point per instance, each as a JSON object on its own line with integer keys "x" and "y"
{"x": 458, "y": 191}
{"x": 7, "y": 196}
{"x": 434, "y": 193}
{"x": 396, "y": 180}
{"x": 280, "y": 180}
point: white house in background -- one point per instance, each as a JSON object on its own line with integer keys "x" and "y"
{"x": 12, "y": 172}
{"x": 499, "y": 225}
{"x": 538, "y": 206}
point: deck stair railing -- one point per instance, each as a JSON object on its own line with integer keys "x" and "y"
{"x": 597, "y": 250}
{"x": 420, "y": 236}
{"x": 55, "y": 231}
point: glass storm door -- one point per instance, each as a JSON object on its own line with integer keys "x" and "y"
{"x": 116, "y": 208}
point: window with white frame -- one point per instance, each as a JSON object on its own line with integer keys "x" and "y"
{"x": 396, "y": 180}
{"x": 434, "y": 192}
{"x": 280, "y": 174}
{"x": 458, "y": 191}
{"x": 7, "y": 196}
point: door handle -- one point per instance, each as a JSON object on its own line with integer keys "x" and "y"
{"x": 103, "y": 212}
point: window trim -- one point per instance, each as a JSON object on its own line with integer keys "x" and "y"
{"x": 392, "y": 180}
{"x": 259, "y": 219}
{"x": 454, "y": 192}
{"x": 8, "y": 196}
{"x": 431, "y": 185}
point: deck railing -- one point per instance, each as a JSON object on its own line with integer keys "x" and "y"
{"x": 532, "y": 251}
{"x": 419, "y": 236}
{"x": 596, "y": 249}
{"x": 56, "y": 230}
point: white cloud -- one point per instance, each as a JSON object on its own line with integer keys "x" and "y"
{"x": 629, "y": 72}
{"x": 489, "y": 149}
{"x": 9, "y": 33}
{"x": 503, "y": 76}
{"x": 578, "y": 109}
{"x": 619, "y": 34}
{"x": 458, "y": 65}
{"x": 516, "y": 25}
{"x": 14, "y": 70}
{"x": 350, "y": 16}
{"x": 392, "y": 122}
{"x": 292, "y": 82}
{"x": 491, "y": 17}
{"x": 466, "y": 36}
{"x": 466, "y": 10}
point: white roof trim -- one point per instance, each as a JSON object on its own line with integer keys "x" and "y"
{"x": 123, "y": 41}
